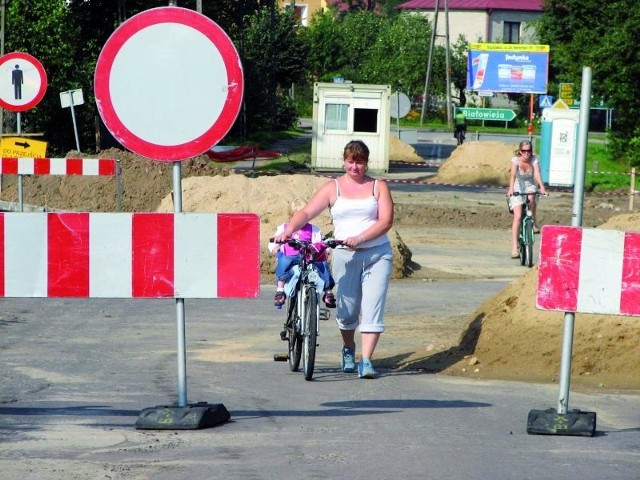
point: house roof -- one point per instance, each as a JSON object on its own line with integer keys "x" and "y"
{"x": 522, "y": 5}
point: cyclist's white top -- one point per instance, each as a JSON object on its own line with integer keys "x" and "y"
{"x": 525, "y": 183}
{"x": 352, "y": 216}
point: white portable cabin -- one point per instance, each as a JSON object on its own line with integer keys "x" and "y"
{"x": 349, "y": 111}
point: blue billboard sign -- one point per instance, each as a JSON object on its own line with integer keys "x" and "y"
{"x": 508, "y": 67}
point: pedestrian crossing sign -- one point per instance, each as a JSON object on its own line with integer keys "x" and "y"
{"x": 546, "y": 101}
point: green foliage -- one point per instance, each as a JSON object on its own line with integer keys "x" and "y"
{"x": 603, "y": 171}
{"x": 340, "y": 48}
{"x": 601, "y": 35}
{"x": 459, "y": 67}
{"x": 273, "y": 58}
{"x": 397, "y": 53}
{"x": 365, "y": 46}
{"x": 27, "y": 24}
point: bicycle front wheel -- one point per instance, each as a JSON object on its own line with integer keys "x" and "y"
{"x": 295, "y": 334}
{"x": 310, "y": 333}
{"x": 522, "y": 248}
{"x": 528, "y": 244}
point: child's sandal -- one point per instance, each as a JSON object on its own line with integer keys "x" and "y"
{"x": 279, "y": 299}
{"x": 329, "y": 299}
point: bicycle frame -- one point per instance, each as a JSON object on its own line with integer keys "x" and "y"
{"x": 526, "y": 237}
{"x": 303, "y": 307}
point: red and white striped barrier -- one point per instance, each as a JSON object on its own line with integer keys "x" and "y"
{"x": 129, "y": 255}
{"x": 57, "y": 166}
{"x": 589, "y": 271}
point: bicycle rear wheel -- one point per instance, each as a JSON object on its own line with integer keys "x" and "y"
{"x": 295, "y": 337}
{"x": 310, "y": 333}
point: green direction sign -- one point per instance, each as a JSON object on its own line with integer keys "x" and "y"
{"x": 497, "y": 114}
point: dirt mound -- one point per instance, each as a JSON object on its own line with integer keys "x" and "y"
{"x": 508, "y": 337}
{"x": 269, "y": 197}
{"x": 402, "y": 152}
{"x": 144, "y": 184}
{"x": 477, "y": 163}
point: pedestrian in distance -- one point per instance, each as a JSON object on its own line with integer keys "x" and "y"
{"x": 288, "y": 256}
{"x": 524, "y": 178}
{"x": 461, "y": 127}
{"x": 362, "y": 211}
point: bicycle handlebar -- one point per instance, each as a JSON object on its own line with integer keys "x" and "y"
{"x": 299, "y": 244}
{"x": 311, "y": 251}
{"x": 537, "y": 194}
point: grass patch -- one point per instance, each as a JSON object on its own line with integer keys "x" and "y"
{"x": 602, "y": 172}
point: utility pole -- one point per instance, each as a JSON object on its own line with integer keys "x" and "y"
{"x": 2, "y": 23}
{"x": 448, "y": 50}
{"x": 429, "y": 62}
{"x": 427, "y": 81}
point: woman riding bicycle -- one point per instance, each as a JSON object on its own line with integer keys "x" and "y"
{"x": 525, "y": 178}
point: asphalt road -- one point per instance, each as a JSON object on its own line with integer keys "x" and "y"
{"x": 76, "y": 373}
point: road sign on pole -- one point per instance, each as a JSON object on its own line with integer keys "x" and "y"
{"x": 23, "y": 81}
{"x": 70, "y": 98}
{"x": 566, "y": 93}
{"x": 168, "y": 83}
{"x": 497, "y": 114}
{"x": 168, "y": 86}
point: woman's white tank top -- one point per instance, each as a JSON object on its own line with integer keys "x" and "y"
{"x": 352, "y": 216}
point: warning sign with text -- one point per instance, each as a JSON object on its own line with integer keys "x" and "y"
{"x": 16, "y": 147}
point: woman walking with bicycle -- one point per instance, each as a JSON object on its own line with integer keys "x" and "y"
{"x": 362, "y": 212}
{"x": 525, "y": 178}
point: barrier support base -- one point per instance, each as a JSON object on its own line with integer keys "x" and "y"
{"x": 192, "y": 417}
{"x": 550, "y": 422}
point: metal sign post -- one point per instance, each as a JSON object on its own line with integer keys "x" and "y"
{"x": 70, "y": 98}
{"x": 136, "y": 77}
{"x": 23, "y": 88}
{"x": 561, "y": 421}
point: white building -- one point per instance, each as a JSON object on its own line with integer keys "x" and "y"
{"x": 492, "y": 21}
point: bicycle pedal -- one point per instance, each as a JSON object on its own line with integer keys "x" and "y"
{"x": 283, "y": 336}
{"x": 280, "y": 357}
{"x": 325, "y": 314}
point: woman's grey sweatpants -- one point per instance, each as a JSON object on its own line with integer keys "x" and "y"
{"x": 362, "y": 280}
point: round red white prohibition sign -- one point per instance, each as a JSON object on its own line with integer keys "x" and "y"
{"x": 23, "y": 81}
{"x": 168, "y": 83}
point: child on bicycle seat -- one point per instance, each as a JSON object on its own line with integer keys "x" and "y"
{"x": 287, "y": 257}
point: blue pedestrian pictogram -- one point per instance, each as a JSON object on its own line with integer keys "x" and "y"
{"x": 546, "y": 101}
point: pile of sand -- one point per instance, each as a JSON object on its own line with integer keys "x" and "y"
{"x": 269, "y": 197}
{"x": 507, "y": 337}
{"x": 477, "y": 163}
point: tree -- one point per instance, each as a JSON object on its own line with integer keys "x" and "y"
{"x": 28, "y": 24}
{"x": 600, "y": 35}
{"x": 273, "y": 58}
{"x": 67, "y": 36}
{"x": 366, "y": 47}
{"x": 398, "y": 56}
{"x": 385, "y": 7}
